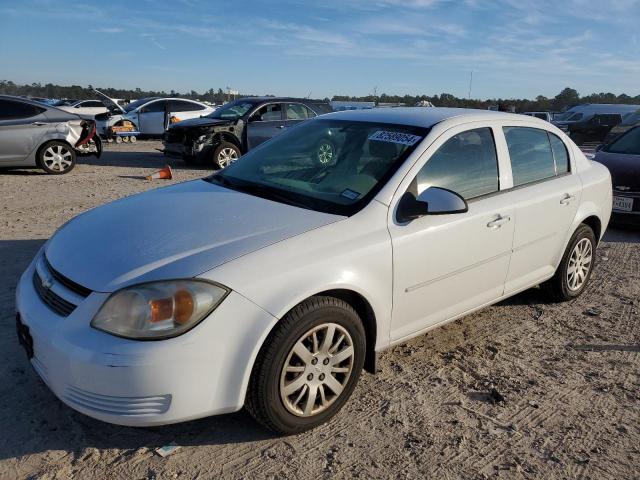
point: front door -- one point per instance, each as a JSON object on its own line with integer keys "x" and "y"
{"x": 446, "y": 265}
{"x": 22, "y": 125}
{"x": 265, "y": 123}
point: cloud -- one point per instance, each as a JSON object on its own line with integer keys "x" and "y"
{"x": 108, "y": 30}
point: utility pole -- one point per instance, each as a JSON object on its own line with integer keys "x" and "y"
{"x": 470, "y": 84}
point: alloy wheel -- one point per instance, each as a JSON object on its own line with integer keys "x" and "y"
{"x": 325, "y": 153}
{"x": 316, "y": 370}
{"x": 227, "y": 156}
{"x": 579, "y": 264}
{"x": 57, "y": 158}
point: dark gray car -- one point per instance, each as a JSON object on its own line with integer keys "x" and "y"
{"x": 223, "y": 136}
{"x": 36, "y": 135}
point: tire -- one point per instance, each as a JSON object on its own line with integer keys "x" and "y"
{"x": 273, "y": 398}
{"x": 563, "y": 285}
{"x": 225, "y": 154}
{"x": 56, "y": 158}
{"x": 325, "y": 152}
{"x": 133, "y": 139}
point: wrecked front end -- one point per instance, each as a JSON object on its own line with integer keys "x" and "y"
{"x": 196, "y": 142}
{"x": 84, "y": 138}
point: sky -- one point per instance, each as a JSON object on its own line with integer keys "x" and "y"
{"x": 515, "y": 48}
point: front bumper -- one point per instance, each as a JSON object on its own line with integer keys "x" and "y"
{"x": 141, "y": 383}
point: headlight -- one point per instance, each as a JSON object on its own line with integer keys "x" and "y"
{"x": 159, "y": 309}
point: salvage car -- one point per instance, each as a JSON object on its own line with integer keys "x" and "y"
{"x": 149, "y": 115}
{"x": 35, "y": 135}
{"x": 622, "y": 157}
{"x": 274, "y": 282}
{"x": 220, "y": 138}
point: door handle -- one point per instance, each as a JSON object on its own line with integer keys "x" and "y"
{"x": 282, "y": 126}
{"x": 567, "y": 199}
{"x": 498, "y": 222}
{"x": 38, "y": 124}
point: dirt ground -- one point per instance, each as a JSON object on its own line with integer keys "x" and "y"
{"x": 523, "y": 389}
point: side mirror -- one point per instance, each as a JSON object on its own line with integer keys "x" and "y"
{"x": 432, "y": 201}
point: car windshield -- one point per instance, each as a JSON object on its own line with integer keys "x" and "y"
{"x": 133, "y": 105}
{"x": 631, "y": 119}
{"x": 568, "y": 116}
{"x": 327, "y": 165}
{"x": 232, "y": 110}
{"x": 628, "y": 143}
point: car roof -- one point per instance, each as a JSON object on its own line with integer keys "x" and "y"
{"x": 24, "y": 99}
{"x": 419, "y": 116}
{"x": 281, "y": 99}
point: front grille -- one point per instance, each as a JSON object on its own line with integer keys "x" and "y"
{"x": 51, "y": 299}
{"x": 70, "y": 284}
{"x": 111, "y": 405}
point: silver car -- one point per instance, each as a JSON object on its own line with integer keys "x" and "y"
{"x": 36, "y": 135}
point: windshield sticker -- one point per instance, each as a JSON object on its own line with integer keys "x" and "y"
{"x": 395, "y": 137}
{"x": 350, "y": 194}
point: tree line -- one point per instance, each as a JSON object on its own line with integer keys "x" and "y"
{"x": 566, "y": 98}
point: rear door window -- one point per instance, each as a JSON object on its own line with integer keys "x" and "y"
{"x": 560, "y": 154}
{"x": 296, "y": 111}
{"x": 268, "y": 113}
{"x": 531, "y": 155}
{"x": 12, "y": 110}
{"x": 182, "y": 106}
{"x": 466, "y": 163}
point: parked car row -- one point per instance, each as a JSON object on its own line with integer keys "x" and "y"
{"x": 592, "y": 122}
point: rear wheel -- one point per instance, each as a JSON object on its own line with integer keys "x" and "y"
{"x": 575, "y": 268}
{"x": 56, "y": 158}
{"x": 225, "y": 154}
{"x": 307, "y": 367}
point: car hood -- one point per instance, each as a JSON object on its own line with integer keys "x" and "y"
{"x": 179, "y": 231}
{"x": 624, "y": 168}
{"x": 199, "y": 122}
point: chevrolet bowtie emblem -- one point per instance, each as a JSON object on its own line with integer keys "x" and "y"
{"x": 622, "y": 188}
{"x": 46, "y": 282}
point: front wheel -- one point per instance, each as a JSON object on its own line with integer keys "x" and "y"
{"x": 225, "y": 154}
{"x": 57, "y": 158}
{"x": 307, "y": 367}
{"x": 325, "y": 152}
{"x": 575, "y": 268}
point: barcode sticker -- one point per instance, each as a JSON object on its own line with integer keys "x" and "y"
{"x": 395, "y": 137}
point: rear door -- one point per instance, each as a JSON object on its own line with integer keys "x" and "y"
{"x": 545, "y": 195}
{"x": 151, "y": 117}
{"x": 265, "y": 123}
{"x": 446, "y": 265}
{"x": 22, "y": 126}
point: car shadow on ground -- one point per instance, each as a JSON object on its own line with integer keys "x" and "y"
{"x": 145, "y": 159}
{"x": 622, "y": 234}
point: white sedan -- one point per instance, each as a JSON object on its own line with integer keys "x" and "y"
{"x": 275, "y": 281}
{"x": 148, "y": 115}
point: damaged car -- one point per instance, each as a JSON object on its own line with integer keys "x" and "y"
{"x": 36, "y": 135}
{"x": 221, "y": 137}
{"x": 148, "y": 116}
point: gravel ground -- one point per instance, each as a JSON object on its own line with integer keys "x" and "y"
{"x": 523, "y": 389}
